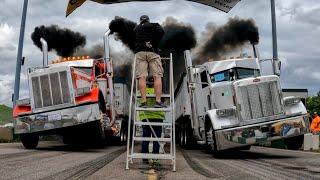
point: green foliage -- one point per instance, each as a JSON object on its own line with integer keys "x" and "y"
{"x": 313, "y": 104}
{"x": 5, "y": 114}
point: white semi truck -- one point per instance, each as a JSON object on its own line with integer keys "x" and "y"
{"x": 76, "y": 97}
{"x": 228, "y": 104}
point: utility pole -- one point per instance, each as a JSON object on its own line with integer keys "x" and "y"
{"x": 274, "y": 34}
{"x": 19, "y": 55}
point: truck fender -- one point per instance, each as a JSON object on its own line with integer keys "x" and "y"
{"x": 221, "y": 122}
{"x": 296, "y": 108}
{"x": 92, "y": 96}
{"x": 211, "y": 116}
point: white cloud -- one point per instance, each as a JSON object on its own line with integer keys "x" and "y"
{"x": 6, "y": 37}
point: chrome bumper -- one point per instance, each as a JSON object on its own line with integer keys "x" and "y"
{"x": 56, "y": 119}
{"x": 261, "y": 132}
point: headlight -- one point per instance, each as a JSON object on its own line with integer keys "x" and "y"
{"x": 288, "y": 101}
{"x": 23, "y": 102}
{"x": 82, "y": 91}
{"x": 226, "y": 112}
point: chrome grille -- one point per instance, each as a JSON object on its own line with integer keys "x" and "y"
{"x": 50, "y": 89}
{"x": 259, "y": 100}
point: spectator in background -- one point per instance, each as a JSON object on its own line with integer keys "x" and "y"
{"x": 315, "y": 124}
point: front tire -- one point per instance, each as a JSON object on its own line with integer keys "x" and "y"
{"x": 211, "y": 145}
{"x": 294, "y": 143}
{"x": 29, "y": 141}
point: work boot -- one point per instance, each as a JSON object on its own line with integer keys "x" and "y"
{"x": 143, "y": 105}
{"x": 160, "y": 105}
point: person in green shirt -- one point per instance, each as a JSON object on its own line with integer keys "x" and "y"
{"x": 151, "y": 116}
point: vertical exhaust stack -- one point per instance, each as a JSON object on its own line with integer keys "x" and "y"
{"x": 255, "y": 50}
{"x": 256, "y": 56}
{"x": 44, "y": 52}
{"x": 109, "y": 72}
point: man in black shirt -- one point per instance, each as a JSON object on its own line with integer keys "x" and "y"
{"x": 148, "y": 36}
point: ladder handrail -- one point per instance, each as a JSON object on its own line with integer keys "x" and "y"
{"x": 130, "y": 111}
{"x": 133, "y": 113}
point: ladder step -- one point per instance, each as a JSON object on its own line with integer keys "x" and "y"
{"x": 153, "y": 96}
{"x": 153, "y": 123}
{"x": 151, "y": 156}
{"x": 153, "y": 109}
{"x": 152, "y": 139}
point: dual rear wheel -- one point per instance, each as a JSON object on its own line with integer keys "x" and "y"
{"x": 29, "y": 141}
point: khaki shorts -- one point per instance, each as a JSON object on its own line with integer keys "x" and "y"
{"x": 148, "y": 61}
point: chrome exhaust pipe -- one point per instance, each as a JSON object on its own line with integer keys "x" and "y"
{"x": 106, "y": 45}
{"x": 44, "y": 52}
{"x": 109, "y": 71}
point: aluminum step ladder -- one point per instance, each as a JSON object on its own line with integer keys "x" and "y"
{"x": 168, "y": 122}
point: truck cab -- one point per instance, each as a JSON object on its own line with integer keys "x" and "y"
{"x": 72, "y": 97}
{"x": 233, "y": 106}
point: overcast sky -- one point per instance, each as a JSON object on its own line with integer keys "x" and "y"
{"x": 298, "y": 25}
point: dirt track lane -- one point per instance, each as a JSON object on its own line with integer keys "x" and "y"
{"x": 258, "y": 163}
{"x": 57, "y": 161}
{"x": 54, "y": 161}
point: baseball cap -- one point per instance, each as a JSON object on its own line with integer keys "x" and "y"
{"x": 144, "y": 18}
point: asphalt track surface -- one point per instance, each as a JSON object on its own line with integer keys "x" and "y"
{"x": 53, "y": 160}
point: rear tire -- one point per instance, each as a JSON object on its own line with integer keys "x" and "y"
{"x": 185, "y": 136}
{"x": 294, "y": 143}
{"x": 29, "y": 141}
{"x": 124, "y": 131}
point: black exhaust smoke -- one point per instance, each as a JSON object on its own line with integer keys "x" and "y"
{"x": 95, "y": 52}
{"x": 178, "y": 36}
{"x": 123, "y": 29}
{"x": 63, "y": 41}
{"x": 220, "y": 40}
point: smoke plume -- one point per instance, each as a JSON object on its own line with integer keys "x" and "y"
{"x": 123, "y": 29}
{"x": 234, "y": 34}
{"x": 178, "y": 36}
{"x": 95, "y": 52}
{"x": 63, "y": 41}
{"x": 122, "y": 64}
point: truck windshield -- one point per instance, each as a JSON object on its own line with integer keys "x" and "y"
{"x": 245, "y": 73}
{"x": 220, "y": 76}
{"x": 228, "y": 75}
{"x": 87, "y": 70}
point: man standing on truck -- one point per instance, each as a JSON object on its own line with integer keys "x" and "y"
{"x": 151, "y": 116}
{"x": 148, "y": 36}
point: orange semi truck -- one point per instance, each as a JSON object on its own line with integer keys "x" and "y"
{"x": 75, "y": 97}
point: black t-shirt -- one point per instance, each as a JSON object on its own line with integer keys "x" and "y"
{"x": 148, "y": 32}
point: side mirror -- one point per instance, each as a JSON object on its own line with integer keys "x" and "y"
{"x": 277, "y": 66}
{"x": 23, "y": 60}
